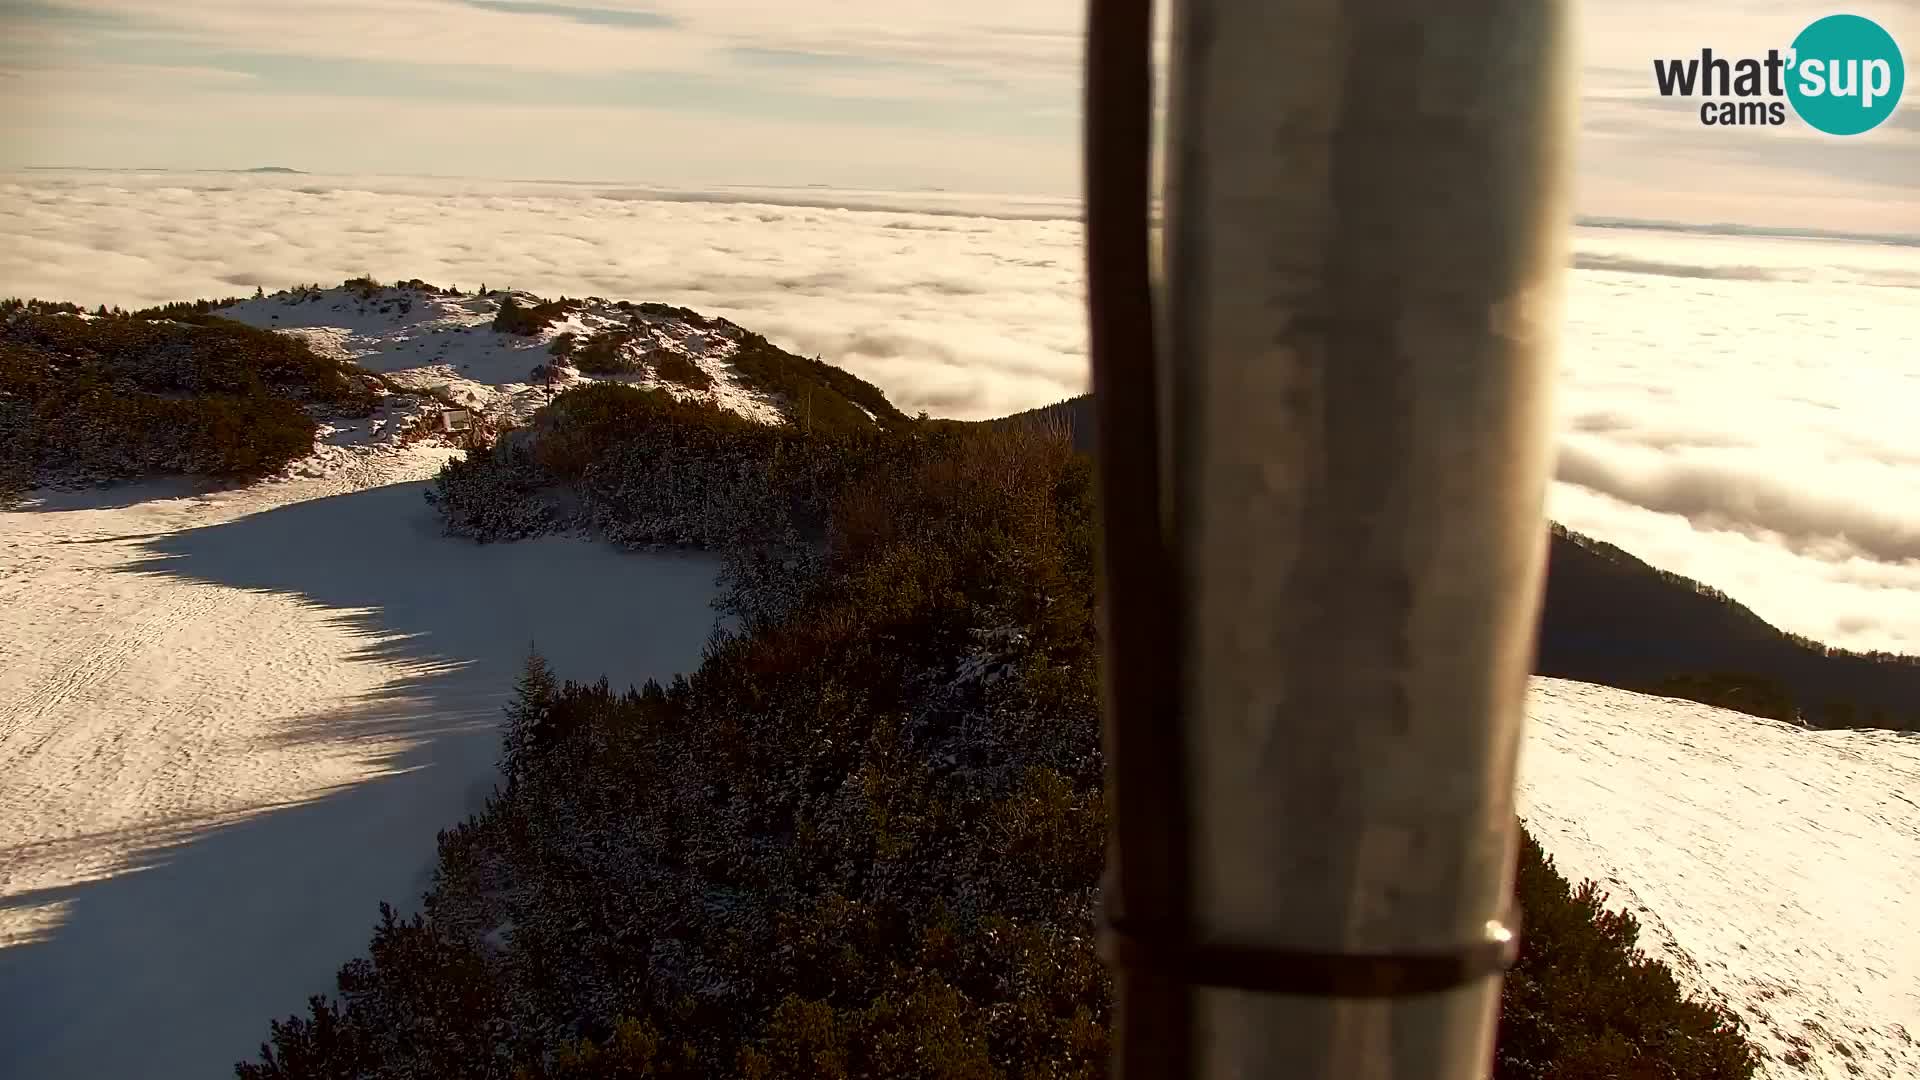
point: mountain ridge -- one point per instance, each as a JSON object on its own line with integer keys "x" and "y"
{"x": 1608, "y": 617}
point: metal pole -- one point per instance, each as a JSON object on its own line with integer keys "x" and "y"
{"x": 1146, "y": 882}
{"x": 1367, "y": 220}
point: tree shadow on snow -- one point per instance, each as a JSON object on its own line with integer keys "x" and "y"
{"x": 174, "y": 966}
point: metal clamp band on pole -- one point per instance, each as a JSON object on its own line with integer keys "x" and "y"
{"x": 1265, "y": 969}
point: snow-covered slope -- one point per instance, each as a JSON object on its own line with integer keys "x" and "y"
{"x": 431, "y": 341}
{"x": 232, "y": 722}
{"x": 1774, "y": 868}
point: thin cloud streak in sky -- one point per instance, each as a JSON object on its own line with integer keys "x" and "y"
{"x": 1736, "y": 409}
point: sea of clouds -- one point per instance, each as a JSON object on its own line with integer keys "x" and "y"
{"x": 1739, "y": 409}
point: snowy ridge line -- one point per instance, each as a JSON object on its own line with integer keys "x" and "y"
{"x": 439, "y": 343}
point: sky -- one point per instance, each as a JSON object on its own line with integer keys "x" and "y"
{"x": 903, "y": 94}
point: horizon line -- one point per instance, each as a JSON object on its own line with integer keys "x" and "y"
{"x": 1595, "y": 221}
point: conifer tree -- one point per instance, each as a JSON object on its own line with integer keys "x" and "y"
{"x": 533, "y": 696}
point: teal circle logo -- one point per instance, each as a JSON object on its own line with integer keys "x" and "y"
{"x": 1847, "y": 74}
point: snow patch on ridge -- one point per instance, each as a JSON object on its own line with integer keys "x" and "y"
{"x": 446, "y": 345}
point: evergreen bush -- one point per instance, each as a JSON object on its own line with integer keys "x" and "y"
{"x": 865, "y": 838}
{"x": 173, "y": 390}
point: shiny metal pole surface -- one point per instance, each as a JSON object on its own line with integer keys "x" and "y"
{"x": 1367, "y": 220}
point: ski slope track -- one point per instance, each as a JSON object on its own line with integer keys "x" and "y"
{"x": 233, "y": 721}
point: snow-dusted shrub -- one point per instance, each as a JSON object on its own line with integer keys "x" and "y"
{"x": 820, "y": 396}
{"x": 643, "y": 469}
{"x": 176, "y": 390}
{"x": 865, "y": 839}
{"x": 609, "y": 352}
{"x": 529, "y": 319}
{"x": 497, "y": 495}
{"x": 653, "y": 490}
{"x": 1584, "y": 1003}
{"x": 16, "y": 451}
{"x": 181, "y": 348}
{"x": 767, "y": 580}
{"x": 524, "y": 735}
{"x": 676, "y": 368}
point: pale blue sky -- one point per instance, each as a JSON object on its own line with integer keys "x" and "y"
{"x": 976, "y": 95}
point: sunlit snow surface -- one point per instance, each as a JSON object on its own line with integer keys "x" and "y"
{"x": 231, "y": 723}
{"x": 1774, "y": 868}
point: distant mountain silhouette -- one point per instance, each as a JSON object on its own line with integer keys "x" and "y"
{"x": 126, "y": 169}
{"x": 1613, "y": 619}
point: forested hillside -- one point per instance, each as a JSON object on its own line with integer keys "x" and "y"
{"x": 1614, "y": 619}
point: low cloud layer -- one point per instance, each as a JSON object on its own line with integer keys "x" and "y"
{"x": 1747, "y": 423}
{"x": 1735, "y": 409}
{"x": 961, "y": 305}
{"x": 1727, "y": 492}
